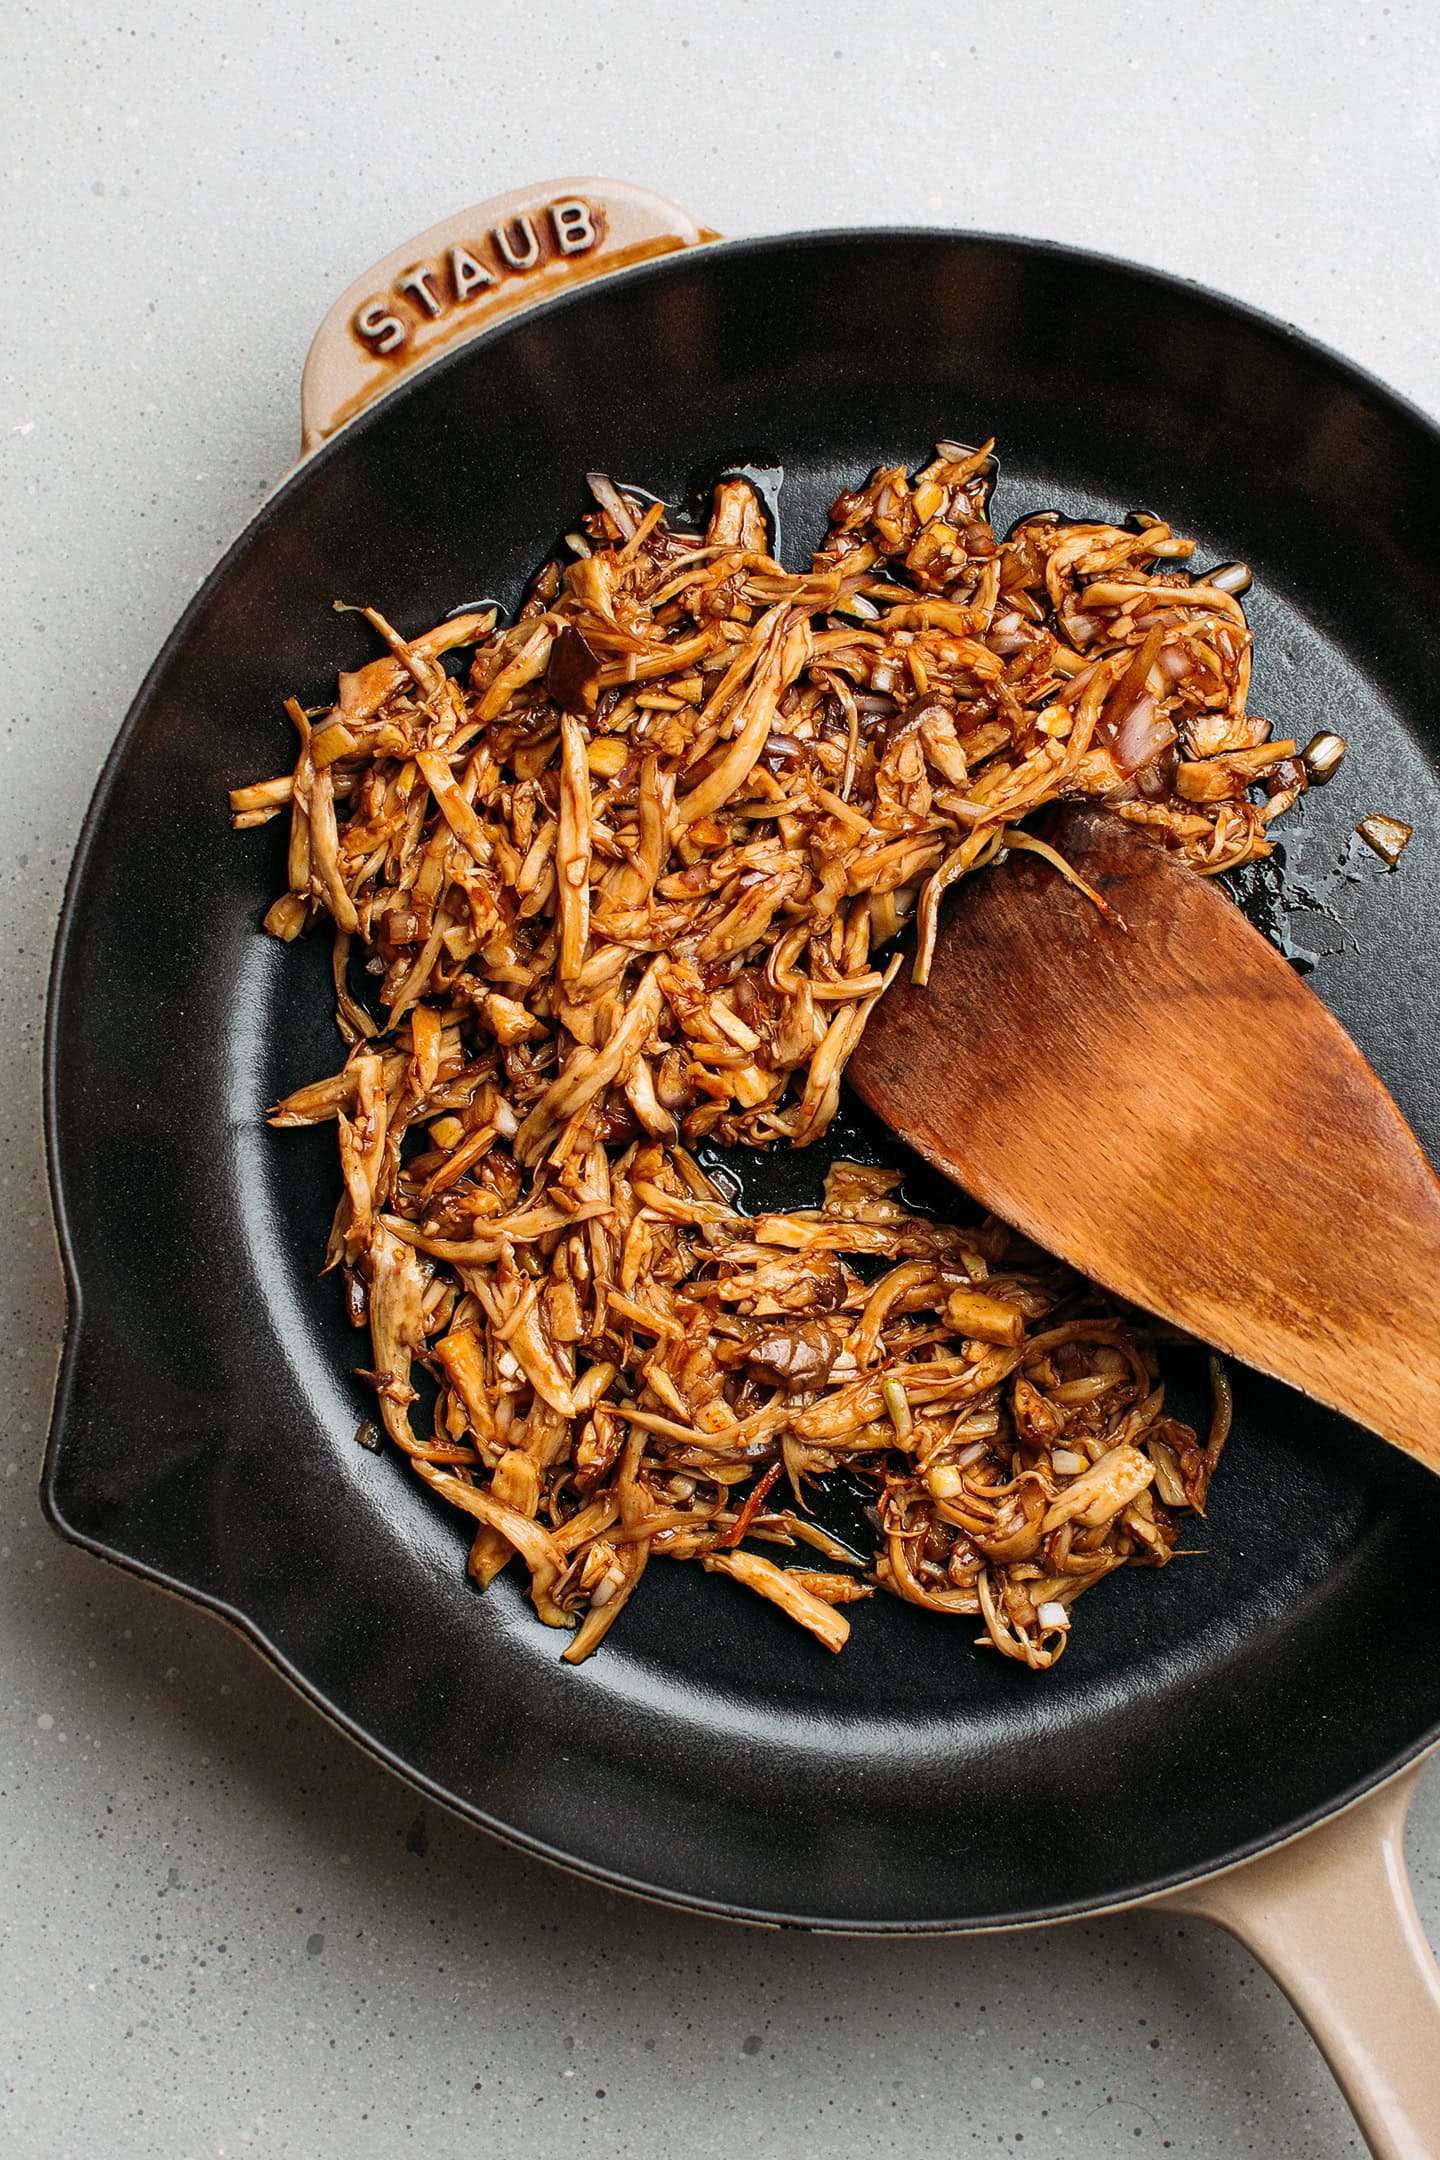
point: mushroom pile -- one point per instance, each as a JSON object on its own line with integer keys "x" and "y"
{"x": 617, "y": 885}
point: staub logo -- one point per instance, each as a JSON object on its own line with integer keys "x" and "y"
{"x": 563, "y": 228}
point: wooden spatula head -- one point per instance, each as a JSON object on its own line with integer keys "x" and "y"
{"x": 1162, "y": 1102}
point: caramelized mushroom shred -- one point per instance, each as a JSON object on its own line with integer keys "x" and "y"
{"x": 629, "y": 880}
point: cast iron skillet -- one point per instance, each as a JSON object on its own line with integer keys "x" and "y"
{"x": 203, "y": 1430}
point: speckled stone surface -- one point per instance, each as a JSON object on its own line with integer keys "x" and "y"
{"x": 222, "y": 1930}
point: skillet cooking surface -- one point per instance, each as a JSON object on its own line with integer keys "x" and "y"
{"x": 710, "y": 1753}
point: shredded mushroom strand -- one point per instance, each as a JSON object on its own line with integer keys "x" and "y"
{"x": 629, "y": 880}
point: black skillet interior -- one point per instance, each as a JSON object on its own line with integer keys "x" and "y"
{"x": 204, "y": 1428}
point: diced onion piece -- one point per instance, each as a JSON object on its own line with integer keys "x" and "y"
{"x": 1386, "y": 836}
{"x": 1067, "y": 1463}
{"x": 332, "y": 742}
{"x": 606, "y": 755}
{"x": 1141, "y": 736}
{"x": 1052, "y": 1615}
{"x": 1321, "y": 757}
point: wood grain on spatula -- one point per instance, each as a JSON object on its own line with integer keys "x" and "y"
{"x": 1167, "y": 1106}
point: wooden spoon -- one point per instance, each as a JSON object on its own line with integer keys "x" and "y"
{"x": 1162, "y": 1102}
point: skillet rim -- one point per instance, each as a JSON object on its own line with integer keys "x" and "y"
{"x": 1277, "y": 328}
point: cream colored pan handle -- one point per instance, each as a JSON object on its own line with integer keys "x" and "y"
{"x": 1331, "y": 1918}
{"x": 469, "y": 272}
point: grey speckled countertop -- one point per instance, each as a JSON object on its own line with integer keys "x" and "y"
{"x": 224, "y": 1931}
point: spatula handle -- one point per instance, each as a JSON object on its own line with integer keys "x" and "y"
{"x": 1332, "y": 1919}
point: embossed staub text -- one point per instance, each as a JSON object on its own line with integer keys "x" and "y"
{"x": 464, "y": 272}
